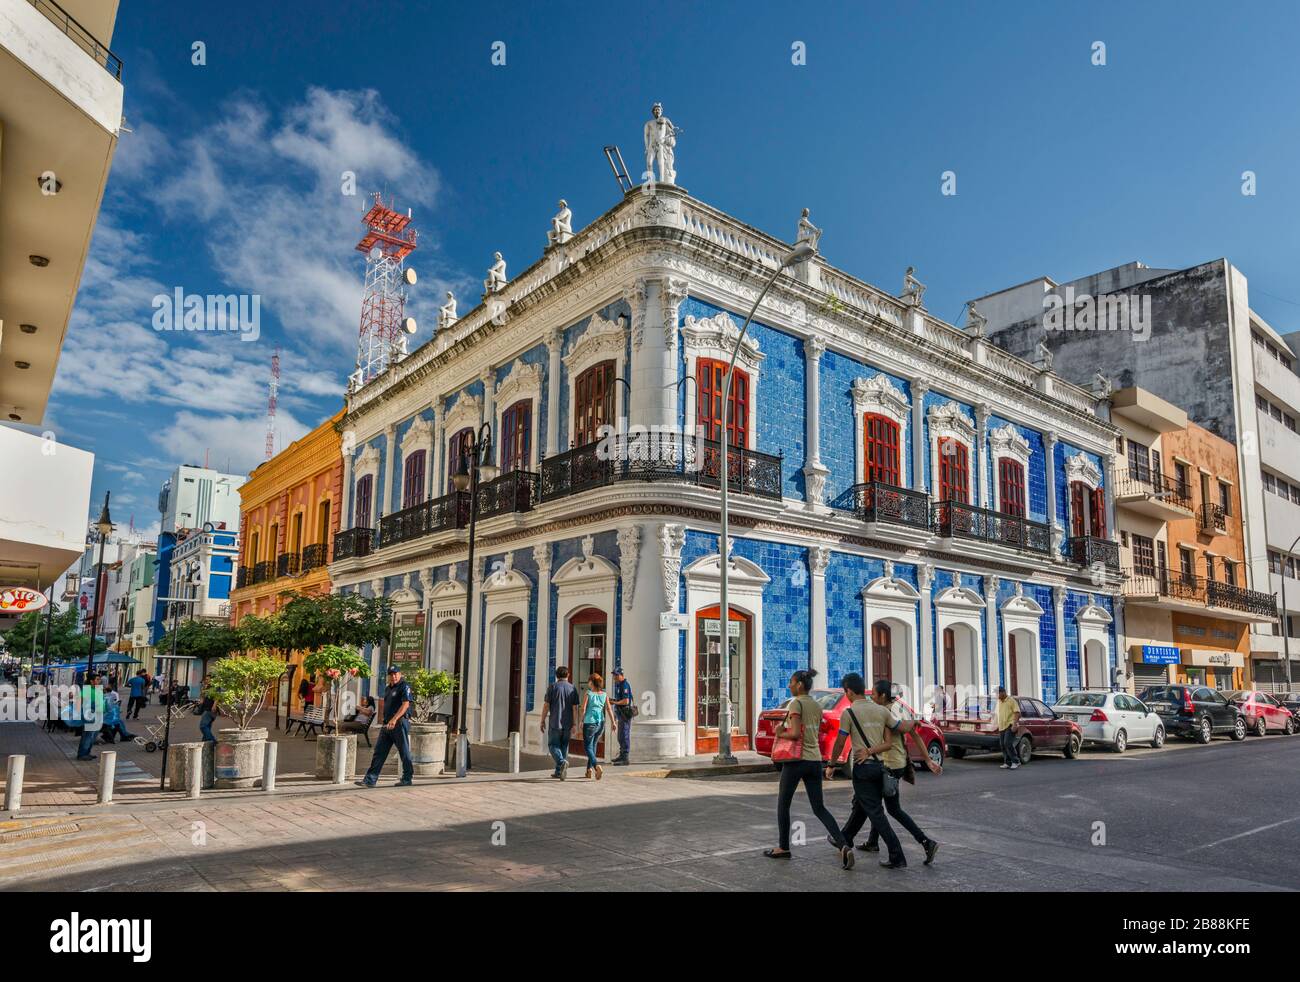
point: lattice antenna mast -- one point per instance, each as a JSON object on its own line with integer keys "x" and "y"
{"x": 270, "y": 403}
{"x": 388, "y": 240}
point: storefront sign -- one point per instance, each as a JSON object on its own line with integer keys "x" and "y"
{"x": 448, "y": 612}
{"x": 19, "y": 599}
{"x": 407, "y": 648}
{"x": 1222, "y": 659}
{"x": 733, "y": 628}
{"x": 670, "y": 621}
{"x": 1160, "y": 654}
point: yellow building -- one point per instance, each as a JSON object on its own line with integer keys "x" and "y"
{"x": 289, "y": 512}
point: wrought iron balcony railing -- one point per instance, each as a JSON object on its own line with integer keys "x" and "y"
{"x": 1161, "y": 581}
{"x": 451, "y": 511}
{"x": 244, "y": 577}
{"x": 353, "y": 543}
{"x": 86, "y": 41}
{"x": 1089, "y": 549}
{"x": 1238, "y": 598}
{"x": 959, "y": 520}
{"x": 1213, "y": 519}
{"x": 1142, "y": 479}
{"x": 262, "y": 571}
{"x": 287, "y": 564}
{"x": 313, "y": 557}
{"x": 514, "y": 491}
{"x": 875, "y": 501}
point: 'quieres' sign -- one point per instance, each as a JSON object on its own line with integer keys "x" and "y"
{"x": 19, "y": 600}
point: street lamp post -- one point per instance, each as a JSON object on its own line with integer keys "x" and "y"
{"x": 45, "y": 656}
{"x": 476, "y": 461}
{"x": 105, "y": 528}
{"x": 1286, "y": 647}
{"x": 802, "y": 251}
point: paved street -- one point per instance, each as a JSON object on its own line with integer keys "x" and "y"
{"x": 1187, "y": 818}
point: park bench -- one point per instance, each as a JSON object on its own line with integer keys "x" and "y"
{"x": 311, "y": 722}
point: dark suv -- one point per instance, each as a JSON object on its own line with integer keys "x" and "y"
{"x": 1195, "y": 711}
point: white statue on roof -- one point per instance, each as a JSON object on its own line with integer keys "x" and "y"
{"x": 561, "y": 226}
{"x": 496, "y": 280}
{"x": 447, "y": 312}
{"x": 660, "y": 139}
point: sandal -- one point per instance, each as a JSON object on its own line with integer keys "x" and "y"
{"x": 599, "y": 772}
{"x": 776, "y": 854}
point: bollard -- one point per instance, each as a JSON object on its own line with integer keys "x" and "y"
{"x": 14, "y": 782}
{"x": 107, "y": 772}
{"x": 514, "y": 753}
{"x": 268, "y": 765}
{"x": 195, "y": 775}
{"x": 340, "y": 761}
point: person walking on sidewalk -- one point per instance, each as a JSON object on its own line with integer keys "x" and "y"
{"x": 207, "y": 713}
{"x": 558, "y": 704}
{"x": 395, "y": 731}
{"x": 803, "y": 720}
{"x": 879, "y": 763}
{"x": 595, "y": 710}
{"x": 113, "y": 726}
{"x": 1008, "y": 718}
{"x": 139, "y": 686}
{"x": 624, "y": 709}
{"x": 92, "y": 716}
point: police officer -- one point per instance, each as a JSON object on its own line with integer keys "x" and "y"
{"x": 395, "y": 731}
{"x": 623, "y": 709}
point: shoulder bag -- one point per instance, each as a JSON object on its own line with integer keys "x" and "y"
{"x": 888, "y": 780}
{"x": 786, "y": 749}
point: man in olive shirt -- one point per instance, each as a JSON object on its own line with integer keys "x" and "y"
{"x": 1008, "y": 716}
{"x": 876, "y": 735}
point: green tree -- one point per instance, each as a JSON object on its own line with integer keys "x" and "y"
{"x": 239, "y": 685}
{"x": 339, "y": 664}
{"x": 67, "y": 643}
{"x": 312, "y": 622}
{"x": 201, "y": 639}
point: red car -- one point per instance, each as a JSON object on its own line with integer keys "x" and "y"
{"x": 1263, "y": 713}
{"x": 974, "y": 729}
{"x": 833, "y": 702}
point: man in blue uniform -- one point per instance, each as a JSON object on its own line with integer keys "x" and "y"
{"x": 623, "y": 710}
{"x": 395, "y": 731}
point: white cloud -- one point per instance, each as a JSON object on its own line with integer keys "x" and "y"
{"x": 232, "y": 443}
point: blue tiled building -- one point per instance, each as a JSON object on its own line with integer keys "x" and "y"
{"x": 906, "y": 500}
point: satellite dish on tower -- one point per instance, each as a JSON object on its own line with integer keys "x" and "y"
{"x": 409, "y": 275}
{"x": 408, "y": 325}
{"x": 375, "y": 253}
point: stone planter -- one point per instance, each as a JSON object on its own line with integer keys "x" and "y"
{"x": 328, "y": 746}
{"x": 238, "y": 757}
{"x": 178, "y": 765}
{"x": 428, "y": 748}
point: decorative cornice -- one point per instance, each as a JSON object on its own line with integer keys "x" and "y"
{"x": 879, "y": 395}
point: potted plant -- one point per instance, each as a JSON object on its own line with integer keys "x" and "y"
{"x": 339, "y": 665}
{"x": 429, "y": 734}
{"x": 239, "y": 685}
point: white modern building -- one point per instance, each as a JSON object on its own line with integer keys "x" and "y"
{"x": 907, "y": 500}
{"x": 194, "y": 495}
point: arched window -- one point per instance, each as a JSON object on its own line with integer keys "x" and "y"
{"x": 361, "y": 511}
{"x": 710, "y": 377}
{"x": 880, "y": 449}
{"x": 413, "y": 479}
{"x": 954, "y": 471}
{"x": 516, "y": 436}
{"x": 1011, "y": 486}
{"x": 593, "y": 403}
{"x": 458, "y": 448}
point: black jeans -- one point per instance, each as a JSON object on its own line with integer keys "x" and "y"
{"x": 399, "y": 737}
{"x": 133, "y": 706}
{"x": 894, "y": 808}
{"x": 869, "y": 802}
{"x": 810, "y": 773}
{"x": 1008, "y": 740}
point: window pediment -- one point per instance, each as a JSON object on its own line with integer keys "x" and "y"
{"x": 1007, "y": 441}
{"x": 368, "y": 462}
{"x": 1093, "y": 615}
{"x": 418, "y": 436}
{"x": 603, "y": 340}
{"x": 468, "y": 411}
{"x": 879, "y": 395}
{"x": 1079, "y": 468}
{"x": 949, "y": 422}
{"x": 715, "y": 337}
{"x": 522, "y": 382}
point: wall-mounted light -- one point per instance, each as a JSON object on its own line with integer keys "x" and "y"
{"x": 38, "y": 261}
{"x": 15, "y": 417}
{"x": 22, "y": 364}
{"x": 27, "y": 328}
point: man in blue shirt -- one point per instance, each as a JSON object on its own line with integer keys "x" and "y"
{"x": 557, "y": 707}
{"x": 623, "y": 711}
{"x": 137, "y": 700}
{"x": 394, "y": 732}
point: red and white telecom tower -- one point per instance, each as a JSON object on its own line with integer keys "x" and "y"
{"x": 270, "y": 403}
{"x": 389, "y": 239}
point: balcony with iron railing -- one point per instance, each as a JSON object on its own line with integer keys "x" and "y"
{"x": 956, "y": 519}
{"x": 1212, "y": 519}
{"x": 353, "y": 543}
{"x": 314, "y": 556}
{"x": 1150, "y": 582}
{"x": 660, "y": 457}
{"x": 1229, "y": 595}
{"x": 451, "y": 511}
{"x": 244, "y": 577}
{"x": 514, "y": 491}
{"x": 1149, "y": 492}
{"x": 876, "y": 501}
{"x": 287, "y": 564}
{"x": 81, "y": 37}
{"x": 1088, "y": 550}
{"x": 262, "y": 571}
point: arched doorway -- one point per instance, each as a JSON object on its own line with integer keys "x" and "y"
{"x": 961, "y": 674}
{"x": 588, "y": 654}
{"x": 505, "y": 680}
{"x": 1022, "y": 663}
{"x": 447, "y": 658}
{"x": 1094, "y": 666}
{"x": 708, "y": 675}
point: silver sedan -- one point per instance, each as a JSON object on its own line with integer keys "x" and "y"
{"x": 1115, "y": 719}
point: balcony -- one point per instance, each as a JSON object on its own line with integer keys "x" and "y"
{"x": 1088, "y": 549}
{"x": 955, "y": 519}
{"x": 262, "y": 572}
{"x": 1212, "y": 519}
{"x": 81, "y": 37}
{"x": 1149, "y": 492}
{"x": 1167, "y": 588}
{"x": 660, "y": 458}
{"x": 287, "y": 564}
{"x": 353, "y": 543}
{"x": 451, "y": 511}
{"x": 313, "y": 557}
{"x": 1238, "y": 598}
{"x": 515, "y": 491}
{"x": 243, "y": 578}
{"x": 875, "y": 501}
{"x": 1159, "y": 582}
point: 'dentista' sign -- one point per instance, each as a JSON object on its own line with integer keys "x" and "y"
{"x": 19, "y": 599}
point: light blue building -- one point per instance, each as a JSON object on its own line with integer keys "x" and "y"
{"x": 908, "y": 500}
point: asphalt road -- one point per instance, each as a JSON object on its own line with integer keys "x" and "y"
{"x": 1187, "y": 818}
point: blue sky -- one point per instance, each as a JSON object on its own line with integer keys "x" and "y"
{"x": 230, "y": 181}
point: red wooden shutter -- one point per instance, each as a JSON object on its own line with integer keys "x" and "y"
{"x": 954, "y": 473}
{"x": 516, "y": 436}
{"x": 1077, "y": 519}
{"x": 711, "y": 376}
{"x": 457, "y": 449}
{"x": 361, "y": 511}
{"x": 1011, "y": 478}
{"x": 593, "y": 403}
{"x": 1097, "y": 507}
{"x": 880, "y": 441}
{"x": 413, "y": 481}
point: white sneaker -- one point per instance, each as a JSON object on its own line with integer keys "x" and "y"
{"x": 1004, "y": 766}
{"x": 1014, "y": 766}
{"x": 564, "y": 770}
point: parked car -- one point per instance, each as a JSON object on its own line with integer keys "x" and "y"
{"x": 1263, "y": 713}
{"x": 1114, "y": 719}
{"x": 833, "y": 702}
{"x": 1195, "y": 711}
{"x": 972, "y": 728}
{"x": 1291, "y": 700}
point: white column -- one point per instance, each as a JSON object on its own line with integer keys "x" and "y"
{"x": 431, "y": 465}
{"x": 925, "y": 582}
{"x": 541, "y": 669}
{"x": 1108, "y": 493}
{"x": 474, "y": 645}
{"x": 671, "y": 294}
{"x": 919, "y": 388}
{"x": 554, "y": 340}
{"x": 991, "y": 639}
{"x": 1058, "y": 600}
{"x": 489, "y": 409}
{"x": 659, "y": 732}
{"x": 981, "y": 454}
{"x": 813, "y": 472}
{"x": 390, "y": 454}
{"x": 1049, "y": 445}
{"x": 345, "y": 495}
{"x": 376, "y": 590}
{"x": 819, "y": 558}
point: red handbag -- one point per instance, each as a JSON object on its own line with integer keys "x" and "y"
{"x": 787, "y": 748}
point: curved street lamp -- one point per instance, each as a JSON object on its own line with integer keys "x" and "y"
{"x": 104, "y": 526}
{"x": 802, "y": 251}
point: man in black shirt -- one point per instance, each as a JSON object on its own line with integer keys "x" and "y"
{"x": 394, "y": 732}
